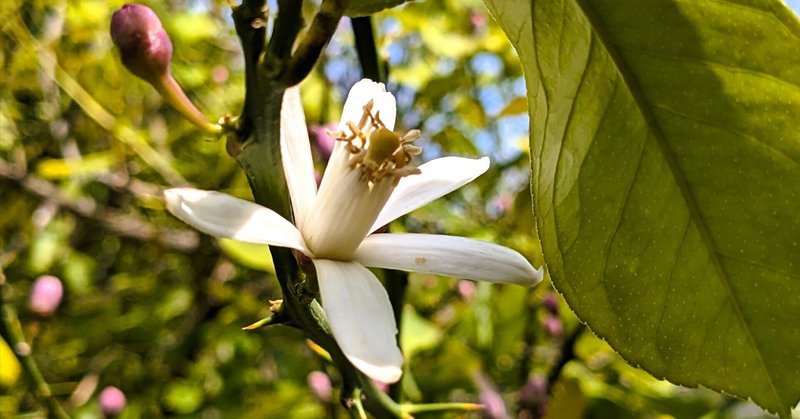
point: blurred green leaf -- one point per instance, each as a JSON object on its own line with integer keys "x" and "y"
{"x": 79, "y": 272}
{"x": 516, "y": 106}
{"x": 11, "y": 367}
{"x": 445, "y": 43}
{"x": 191, "y": 27}
{"x": 49, "y": 244}
{"x": 89, "y": 164}
{"x": 454, "y": 141}
{"x": 175, "y": 303}
{"x": 183, "y": 397}
{"x": 663, "y": 153}
{"x": 567, "y": 402}
{"x": 253, "y": 256}
{"x": 417, "y": 334}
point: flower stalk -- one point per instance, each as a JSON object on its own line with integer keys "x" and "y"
{"x": 146, "y": 51}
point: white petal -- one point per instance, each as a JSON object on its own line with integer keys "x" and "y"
{"x": 222, "y": 215}
{"x": 438, "y": 178}
{"x": 296, "y": 155}
{"x": 361, "y": 93}
{"x": 447, "y": 255}
{"x": 343, "y": 212}
{"x": 361, "y": 319}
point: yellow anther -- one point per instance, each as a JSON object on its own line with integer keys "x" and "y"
{"x": 385, "y": 154}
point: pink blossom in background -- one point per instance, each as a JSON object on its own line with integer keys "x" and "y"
{"x": 553, "y": 326}
{"x": 466, "y": 289}
{"x": 46, "y": 295}
{"x": 219, "y": 74}
{"x": 550, "y": 302}
{"x": 112, "y": 401}
{"x": 320, "y": 385}
{"x": 493, "y": 405}
{"x": 323, "y": 142}
{"x": 501, "y": 205}
{"x": 478, "y": 20}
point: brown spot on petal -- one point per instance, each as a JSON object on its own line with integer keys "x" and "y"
{"x": 419, "y": 260}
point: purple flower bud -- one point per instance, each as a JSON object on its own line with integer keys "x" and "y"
{"x": 322, "y": 141}
{"x": 553, "y": 326}
{"x": 550, "y": 302}
{"x": 144, "y": 46}
{"x": 320, "y": 385}
{"x": 46, "y": 295}
{"x": 112, "y": 401}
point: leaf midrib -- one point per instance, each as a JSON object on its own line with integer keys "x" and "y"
{"x": 631, "y": 82}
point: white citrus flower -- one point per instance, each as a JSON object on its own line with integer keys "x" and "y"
{"x": 367, "y": 184}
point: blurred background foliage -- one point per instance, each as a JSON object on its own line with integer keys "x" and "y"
{"x": 156, "y": 309}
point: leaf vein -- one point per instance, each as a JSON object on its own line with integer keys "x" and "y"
{"x": 780, "y": 155}
{"x": 706, "y": 62}
{"x": 630, "y": 79}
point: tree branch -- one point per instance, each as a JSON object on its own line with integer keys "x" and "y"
{"x": 322, "y": 28}
{"x": 371, "y": 65}
{"x": 287, "y": 26}
{"x": 124, "y": 224}
{"x": 567, "y": 354}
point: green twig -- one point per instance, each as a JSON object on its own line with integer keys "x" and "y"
{"x": 371, "y": 65}
{"x": 396, "y": 281}
{"x": 251, "y": 25}
{"x": 308, "y": 51}
{"x": 567, "y": 354}
{"x": 532, "y": 327}
{"x": 287, "y": 26}
{"x": 396, "y": 287}
{"x": 411, "y": 409}
{"x": 260, "y": 158}
{"x": 16, "y": 339}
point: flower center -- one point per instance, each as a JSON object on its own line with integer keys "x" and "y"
{"x": 377, "y": 151}
{"x": 367, "y": 163}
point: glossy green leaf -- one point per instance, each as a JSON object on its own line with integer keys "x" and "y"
{"x": 417, "y": 334}
{"x": 666, "y": 180}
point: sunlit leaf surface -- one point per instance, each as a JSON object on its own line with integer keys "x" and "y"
{"x": 666, "y": 165}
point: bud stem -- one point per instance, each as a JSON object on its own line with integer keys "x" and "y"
{"x": 171, "y": 91}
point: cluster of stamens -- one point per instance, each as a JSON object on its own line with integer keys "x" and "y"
{"x": 376, "y": 150}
